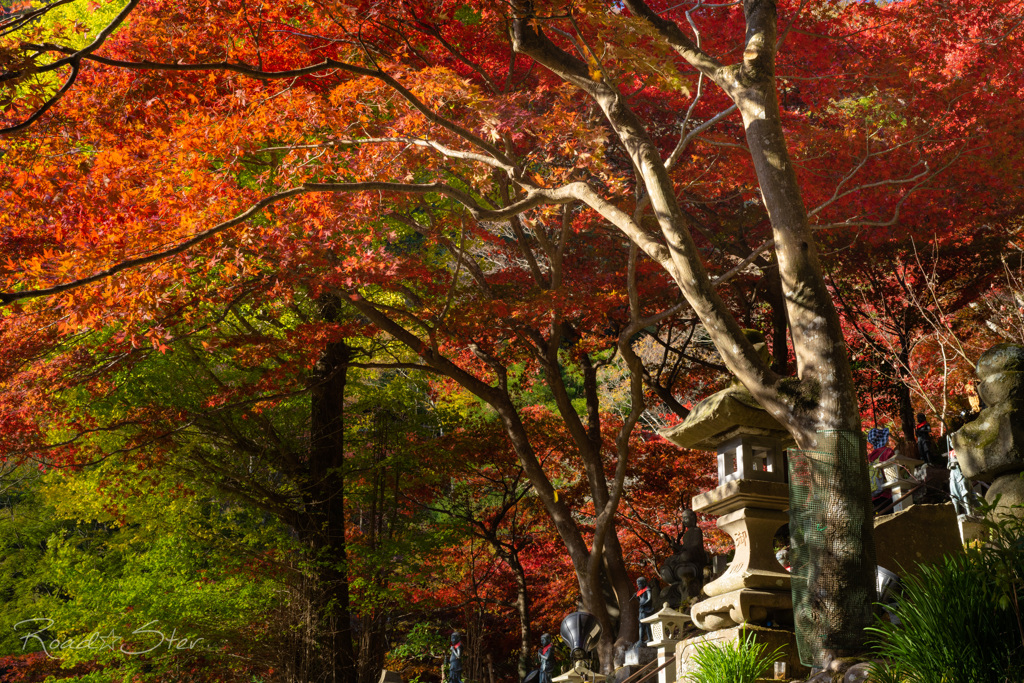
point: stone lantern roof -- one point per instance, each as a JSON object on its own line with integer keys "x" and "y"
{"x": 730, "y": 413}
{"x": 723, "y": 416}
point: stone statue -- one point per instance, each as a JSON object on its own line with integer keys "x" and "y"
{"x": 684, "y": 571}
{"x": 991, "y": 447}
{"x": 455, "y": 659}
{"x": 782, "y": 555}
{"x": 925, "y": 448}
{"x": 546, "y": 659}
{"x": 959, "y": 489}
{"x": 646, "y": 598}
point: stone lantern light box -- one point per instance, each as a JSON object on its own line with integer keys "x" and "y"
{"x": 748, "y": 456}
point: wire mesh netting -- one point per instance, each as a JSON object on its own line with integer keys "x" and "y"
{"x": 832, "y": 569}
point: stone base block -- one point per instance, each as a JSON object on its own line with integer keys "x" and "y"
{"x": 639, "y": 654}
{"x": 772, "y": 638}
{"x": 921, "y": 534}
{"x": 971, "y": 529}
{"x": 743, "y": 606}
{"x": 624, "y": 672}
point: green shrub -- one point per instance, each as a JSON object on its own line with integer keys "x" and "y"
{"x": 743, "y": 661}
{"x": 959, "y": 621}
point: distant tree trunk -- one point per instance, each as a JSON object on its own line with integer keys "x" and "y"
{"x": 906, "y": 406}
{"x": 523, "y": 612}
{"x": 372, "y": 644}
{"x": 324, "y": 529}
{"x": 907, "y": 421}
{"x": 378, "y": 526}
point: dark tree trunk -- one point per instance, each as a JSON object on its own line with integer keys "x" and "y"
{"x": 907, "y": 422}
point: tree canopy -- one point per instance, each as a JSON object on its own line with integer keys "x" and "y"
{"x": 560, "y": 217}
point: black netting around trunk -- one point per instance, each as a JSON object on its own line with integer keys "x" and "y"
{"x": 833, "y": 572}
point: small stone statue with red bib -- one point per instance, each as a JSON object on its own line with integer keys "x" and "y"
{"x": 645, "y": 596}
{"x": 455, "y": 659}
{"x": 546, "y": 659}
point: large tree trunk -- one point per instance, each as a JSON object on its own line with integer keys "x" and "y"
{"x": 825, "y": 417}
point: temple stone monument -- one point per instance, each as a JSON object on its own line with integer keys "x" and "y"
{"x": 991, "y": 448}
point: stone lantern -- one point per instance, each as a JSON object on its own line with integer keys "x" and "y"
{"x": 752, "y": 500}
{"x": 667, "y": 627}
{"x": 754, "y": 596}
{"x": 897, "y": 476}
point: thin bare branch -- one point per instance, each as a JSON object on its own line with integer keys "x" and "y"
{"x": 687, "y": 138}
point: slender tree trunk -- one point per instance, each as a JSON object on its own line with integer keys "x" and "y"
{"x": 907, "y": 419}
{"x": 383, "y": 507}
{"x": 523, "y": 612}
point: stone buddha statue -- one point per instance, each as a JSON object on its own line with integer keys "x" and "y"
{"x": 684, "y": 570}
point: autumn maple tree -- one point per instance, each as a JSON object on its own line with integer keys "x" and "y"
{"x": 500, "y": 189}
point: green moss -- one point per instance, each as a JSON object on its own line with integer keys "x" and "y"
{"x": 803, "y": 395}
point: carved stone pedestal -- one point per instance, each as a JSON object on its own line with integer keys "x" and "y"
{"x": 754, "y": 565}
{"x": 755, "y": 588}
{"x": 742, "y": 606}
